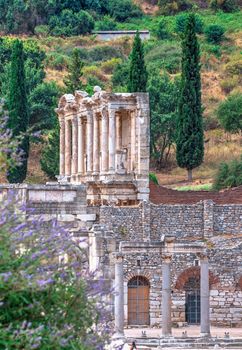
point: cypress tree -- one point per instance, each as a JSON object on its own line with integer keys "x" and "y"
{"x": 137, "y": 71}
{"x": 189, "y": 140}
{"x": 50, "y": 155}
{"x": 73, "y": 81}
{"x": 18, "y": 121}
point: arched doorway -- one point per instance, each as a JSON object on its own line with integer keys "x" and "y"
{"x": 138, "y": 301}
{"x": 192, "y": 303}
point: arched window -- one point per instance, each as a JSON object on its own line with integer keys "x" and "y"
{"x": 192, "y": 305}
{"x": 138, "y": 301}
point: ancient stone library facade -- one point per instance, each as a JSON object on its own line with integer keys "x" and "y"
{"x": 179, "y": 255}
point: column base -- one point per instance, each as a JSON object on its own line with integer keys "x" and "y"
{"x": 205, "y": 335}
{"x": 165, "y": 336}
{"x": 118, "y": 336}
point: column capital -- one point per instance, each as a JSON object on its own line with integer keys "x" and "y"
{"x": 202, "y": 256}
{"x": 119, "y": 256}
{"x": 166, "y": 258}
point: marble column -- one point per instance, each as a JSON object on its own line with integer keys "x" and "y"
{"x": 80, "y": 146}
{"x": 118, "y": 131}
{"x": 89, "y": 143}
{"x": 119, "y": 297}
{"x": 96, "y": 167}
{"x": 74, "y": 164}
{"x": 67, "y": 147}
{"x": 62, "y": 145}
{"x": 112, "y": 141}
{"x": 166, "y": 295}
{"x": 133, "y": 139}
{"x": 104, "y": 143}
{"x": 204, "y": 294}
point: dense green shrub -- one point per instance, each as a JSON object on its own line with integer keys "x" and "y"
{"x": 228, "y": 175}
{"x": 121, "y": 10}
{"x": 109, "y": 66}
{"x": 214, "y": 33}
{"x": 73, "y": 80}
{"x": 55, "y": 60}
{"x": 181, "y": 22}
{"x": 69, "y": 23}
{"x": 171, "y": 7}
{"x": 230, "y": 113}
{"x": 107, "y": 23}
{"x": 42, "y": 30}
{"x": 161, "y": 29}
{"x": 224, "y": 5}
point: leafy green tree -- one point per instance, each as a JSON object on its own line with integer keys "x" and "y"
{"x": 120, "y": 76}
{"x": 224, "y": 5}
{"x": 73, "y": 81}
{"x": 137, "y": 72}
{"x": 70, "y": 23}
{"x": 50, "y": 154}
{"x": 230, "y": 113}
{"x": 121, "y": 10}
{"x": 163, "y": 104}
{"x": 18, "y": 110}
{"x": 189, "y": 139}
{"x": 42, "y": 103}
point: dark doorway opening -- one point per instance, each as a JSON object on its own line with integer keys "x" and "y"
{"x": 138, "y": 301}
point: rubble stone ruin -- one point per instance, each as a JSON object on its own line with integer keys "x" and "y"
{"x": 104, "y": 141}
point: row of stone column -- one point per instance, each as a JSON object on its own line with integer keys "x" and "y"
{"x": 81, "y": 144}
{"x": 166, "y": 297}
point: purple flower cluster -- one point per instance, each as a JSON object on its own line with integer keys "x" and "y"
{"x": 76, "y": 308}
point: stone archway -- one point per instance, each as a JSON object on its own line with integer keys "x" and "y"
{"x": 138, "y": 301}
{"x": 188, "y": 282}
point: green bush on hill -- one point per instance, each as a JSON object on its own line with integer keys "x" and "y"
{"x": 181, "y": 22}
{"x": 228, "y": 175}
{"x": 214, "y": 34}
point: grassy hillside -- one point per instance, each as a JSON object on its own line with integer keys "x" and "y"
{"x": 221, "y": 76}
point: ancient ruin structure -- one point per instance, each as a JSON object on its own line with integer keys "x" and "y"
{"x": 173, "y": 258}
{"x": 104, "y": 142}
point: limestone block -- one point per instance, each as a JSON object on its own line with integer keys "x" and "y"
{"x": 69, "y": 196}
{"x": 66, "y": 217}
{"x": 86, "y": 217}
{"x": 36, "y": 196}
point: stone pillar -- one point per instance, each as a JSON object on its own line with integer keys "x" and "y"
{"x": 89, "y": 143}
{"x": 119, "y": 297}
{"x": 67, "y": 148}
{"x": 204, "y": 294}
{"x": 166, "y": 296}
{"x": 208, "y": 218}
{"x": 112, "y": 141}
{"x": 74, "y": 163}
{"x": 118, "y": 131}
{"x": 81, "y": 153}
{"x": 104, "y": 142}
{"x": 62, "y": 145}
{"x": 96, "y": 167}
{"x": 133, "y": 140}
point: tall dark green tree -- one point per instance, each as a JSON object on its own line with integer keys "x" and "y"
{"x": 137, "y": 72}
{"x": 18, "y": 110}
{"x": 50, "y": 155}
{"x": 73, "y": 81}
{"x": 189, "y": 139}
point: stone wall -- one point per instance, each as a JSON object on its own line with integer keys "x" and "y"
{"x": 227, "y": 219}
{"x": 112, "y": 35}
